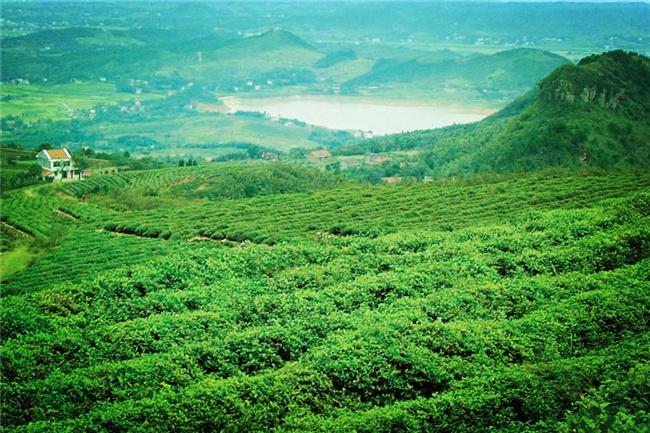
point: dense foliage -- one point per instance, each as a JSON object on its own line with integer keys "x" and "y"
{"x": 18, "y": 168}
{"x": 503, "y": 306}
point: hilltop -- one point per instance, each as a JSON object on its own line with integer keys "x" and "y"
{"x": 593, "y": 114}
{"x": 445, "y": 71}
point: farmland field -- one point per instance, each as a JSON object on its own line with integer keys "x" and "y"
{"x": 322, "y": 310}
{"x": 62, "y": 101}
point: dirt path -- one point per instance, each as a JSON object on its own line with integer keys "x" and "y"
{"x": 67, "y": 107}
{"x": 5, "y": 226}
{"x": 65, "y": 214}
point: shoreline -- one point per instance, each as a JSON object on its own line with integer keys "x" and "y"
{"x": 365, "y": 115}
{"x": 246, "y": 102}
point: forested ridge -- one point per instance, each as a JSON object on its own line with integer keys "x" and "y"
{"x": 593, "y": 114}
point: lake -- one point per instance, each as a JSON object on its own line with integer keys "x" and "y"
{"x": 351, "y": 113}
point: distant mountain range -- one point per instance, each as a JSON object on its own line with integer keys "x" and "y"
{"x": 593, "y": 114}
{"x": 515, "y": 70}
{"x": 90, "y": 53}
{"x": 169, "y": 59}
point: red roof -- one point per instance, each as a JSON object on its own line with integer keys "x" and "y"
{"x": 57, "y": 154}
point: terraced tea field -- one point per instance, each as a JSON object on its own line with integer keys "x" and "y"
{"x": 511, "y": 305}
{"x": 359, "y": 210}
{"x": 217, "y": 181}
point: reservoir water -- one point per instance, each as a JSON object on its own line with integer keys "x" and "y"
{"x": 351, "y": 113}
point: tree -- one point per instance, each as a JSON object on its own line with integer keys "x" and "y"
{"x": 333, "y": 166}
{"x": 181, "y": 163}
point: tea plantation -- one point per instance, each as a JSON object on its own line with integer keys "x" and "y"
{"x": 518, "y": 304}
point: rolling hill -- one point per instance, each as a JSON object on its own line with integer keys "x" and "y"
{"x": 593, "y": 114}
{"x": 241, "y": 60}
{"x": 508, "y": 72}
{"x": 508, "y": 291}
{"x": 92, "y": 53}
{"x": 80, "y": 53}
{"x": 508, "y": 306}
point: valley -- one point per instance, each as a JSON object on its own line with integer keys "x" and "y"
{"x": 324, "y": 217}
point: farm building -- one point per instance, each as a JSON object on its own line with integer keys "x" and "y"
{"x": 57, "y": 165}
{"x": 377, "y": 159}
{"x": 319, "y": 155}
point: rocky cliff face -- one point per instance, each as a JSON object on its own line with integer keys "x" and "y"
{"x": 567, "y": 91}
{"x": 609, "y": 80}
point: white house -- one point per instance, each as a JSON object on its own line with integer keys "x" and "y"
{"x": 57, "y": 165}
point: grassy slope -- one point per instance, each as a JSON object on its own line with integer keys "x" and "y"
{"x": 57, "y": 102}
{"x": 213, "y": 182}
{"x": 15, "y": 260}
{"x": 80, "y": 53}
{"x": 436, "y": 307}
{"x": 249, "y": 57}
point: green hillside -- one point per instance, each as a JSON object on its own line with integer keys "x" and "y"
{"x": 90, "y": 53}
{"x": 506, "y": 306}
{"x": 593, "y": 114}
{"x": 63, "y": 55}
{"x": 511, "y": 71}
{"x": 225, "y": 266}
{"x": 18, "y": 168}
{"x": 212, "y": 182}
{"x": 253, "y": 58}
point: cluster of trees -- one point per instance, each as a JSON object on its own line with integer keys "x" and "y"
{"x": 189, "y": 163}
{"x": 88, "y": 158}
{"x": 30, "y": 176}
{"x": 140, "y": 190}
{"x": 336, "y": 57}
{"x": 18, "y": 168}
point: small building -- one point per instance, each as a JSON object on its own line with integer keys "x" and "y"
{"x": 398, "y": 179}
{"x": 57, "y": 165}
{"x": 392, "y": 179}
{"x": 376, "y": 159}
{"x": 270, "y": 156}
{"x": 319, "y": 155}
